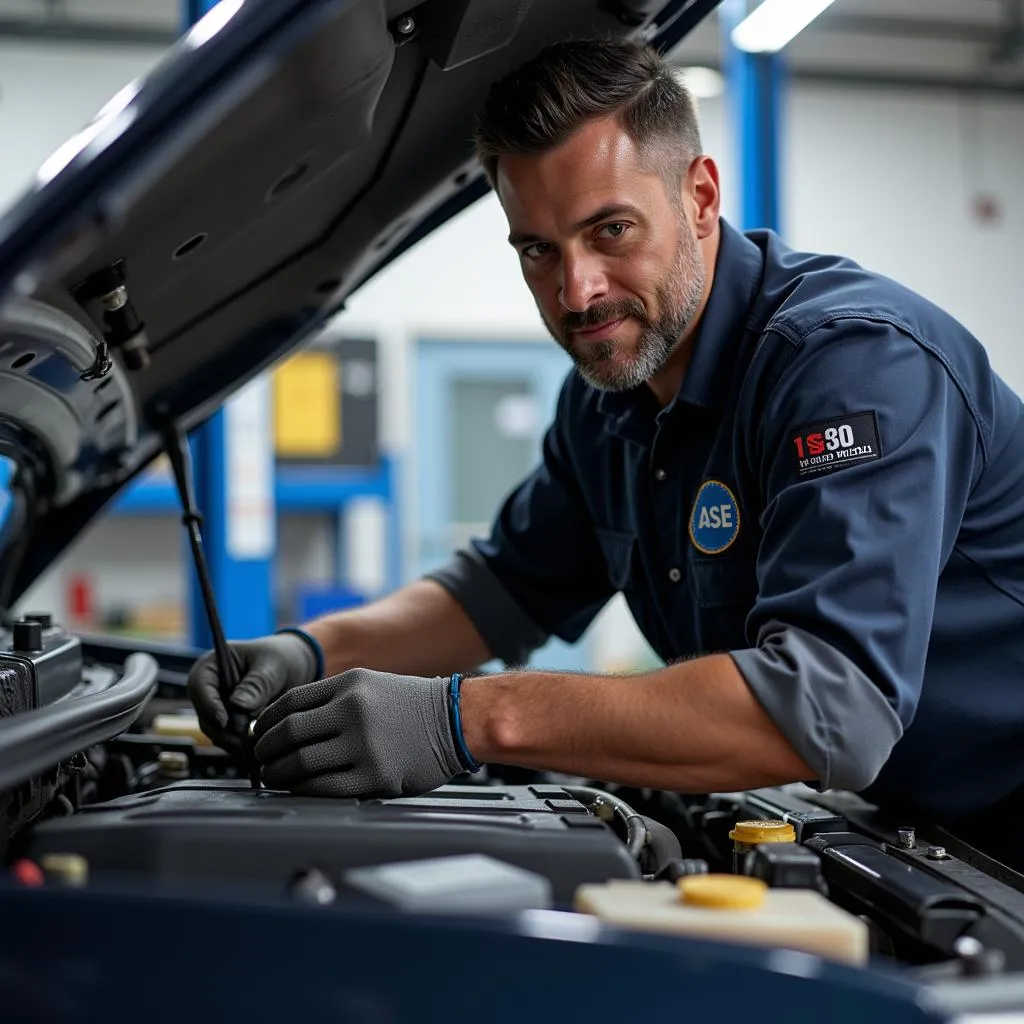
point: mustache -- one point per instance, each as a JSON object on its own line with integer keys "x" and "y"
{"x": 601, "y": 313}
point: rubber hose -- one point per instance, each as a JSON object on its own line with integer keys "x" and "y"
{"x": 662, "y": 844}
{"x": 635, "y": 825}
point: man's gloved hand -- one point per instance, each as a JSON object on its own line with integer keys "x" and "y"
{"x": 265, "y": 667}
{"x": 359, "y": 734}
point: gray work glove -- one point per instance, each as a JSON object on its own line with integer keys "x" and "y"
{"x": 265, "y": 669}
{"x": 359, "y": 734}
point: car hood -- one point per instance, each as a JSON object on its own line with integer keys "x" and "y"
{"x": 215, "y": 213}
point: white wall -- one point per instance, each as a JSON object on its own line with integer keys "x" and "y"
{"x": 887, "y": 179}
{"x": 48, "y": 92}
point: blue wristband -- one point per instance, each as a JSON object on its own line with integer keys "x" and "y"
{"x": 318, "y": 651}
{"x": 454, "y": 694}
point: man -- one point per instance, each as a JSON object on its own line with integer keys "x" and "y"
{"x": 806, "y": 480}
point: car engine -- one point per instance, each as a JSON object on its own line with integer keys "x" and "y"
{"x": 106, "y": 780}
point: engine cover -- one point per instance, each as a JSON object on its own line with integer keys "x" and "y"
{"x": 199, "y": 832}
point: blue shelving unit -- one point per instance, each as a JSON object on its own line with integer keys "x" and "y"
{"x": 297, "y": 490}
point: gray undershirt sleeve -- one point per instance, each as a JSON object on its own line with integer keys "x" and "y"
{"x": 510, "y": 634}
{"x": 832, "y": 714}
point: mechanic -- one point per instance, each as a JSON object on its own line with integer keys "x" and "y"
{"x": 806, "y": 480}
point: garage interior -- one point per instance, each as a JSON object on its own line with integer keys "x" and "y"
{"x": 896, "y": 138}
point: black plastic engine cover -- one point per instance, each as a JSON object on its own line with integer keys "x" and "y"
{"x": 199, "y": 832}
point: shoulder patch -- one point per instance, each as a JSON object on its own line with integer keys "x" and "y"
{"x": 715, "y": 519}
{"x": 836, "y": 443}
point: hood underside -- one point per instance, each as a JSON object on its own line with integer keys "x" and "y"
{"x": 217, "y": 212}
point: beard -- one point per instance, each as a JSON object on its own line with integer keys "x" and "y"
{"x": 609, "y": 364}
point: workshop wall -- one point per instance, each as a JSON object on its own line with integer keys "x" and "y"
{"x": 925, "y": 187}
{"x": 48, "y": 92}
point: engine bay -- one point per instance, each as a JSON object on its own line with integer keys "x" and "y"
{"x": 132, "y": 794}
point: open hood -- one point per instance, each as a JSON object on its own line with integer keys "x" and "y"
{"x": 217, "y": 212}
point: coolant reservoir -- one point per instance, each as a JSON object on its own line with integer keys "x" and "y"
{"x": 731, "y": 908}
{"x": 182, "y": 725}
{"x": 747, "y": 834}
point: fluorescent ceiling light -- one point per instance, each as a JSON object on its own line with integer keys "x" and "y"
{"x": 769, "y": 27}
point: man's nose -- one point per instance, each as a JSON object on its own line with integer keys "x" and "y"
{"x": 583, "y": 281}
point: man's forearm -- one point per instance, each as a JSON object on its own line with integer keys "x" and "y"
{"x": 418, "y": 630}
{"x": 693, "y": 727}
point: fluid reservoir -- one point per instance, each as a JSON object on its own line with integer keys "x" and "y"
{"x": 748, "y": 834}
{"x": 731, "y": 908}
{"x": 183, "y": 725}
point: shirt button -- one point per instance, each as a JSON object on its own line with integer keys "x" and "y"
{"x": 675, "y": 575}
{"x": 660, "y": 474}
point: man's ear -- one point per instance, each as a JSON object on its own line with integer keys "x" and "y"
{"x": 702, "y": 195}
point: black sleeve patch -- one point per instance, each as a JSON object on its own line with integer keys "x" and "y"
{"x": 836, "y": 443}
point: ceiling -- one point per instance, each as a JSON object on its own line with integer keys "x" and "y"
{"x": 963, "y": 44}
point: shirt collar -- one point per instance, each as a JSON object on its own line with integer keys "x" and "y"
{"x": 738, "y": 272}
{"x": 712, "y": 368}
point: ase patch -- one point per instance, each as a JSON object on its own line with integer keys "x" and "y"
{"x": 836, "y": 443}
{"x": 715, "y": 520}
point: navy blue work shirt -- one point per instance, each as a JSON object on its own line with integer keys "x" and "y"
{"x": 835, "y": 497}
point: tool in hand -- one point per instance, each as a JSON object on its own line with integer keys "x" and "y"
{"x": 176, "y": 446}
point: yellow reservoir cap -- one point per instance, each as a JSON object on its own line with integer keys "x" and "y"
{"x": 722, "y": 892}
{"x": 750, "y": 833}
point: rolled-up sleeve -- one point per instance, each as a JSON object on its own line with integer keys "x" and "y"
{"x": 867, "y": 451}
{"x": 833, "y": 715}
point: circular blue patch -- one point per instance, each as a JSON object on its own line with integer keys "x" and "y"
{"x": 715, "y": 521}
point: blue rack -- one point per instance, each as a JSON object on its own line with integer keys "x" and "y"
{"x": 297, "y": 490}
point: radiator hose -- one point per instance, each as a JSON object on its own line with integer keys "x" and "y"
{"x": 634, "y": 824}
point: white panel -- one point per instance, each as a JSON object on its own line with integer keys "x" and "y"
{"x": 365, "y": 539}
{"x": 249, "y": 460}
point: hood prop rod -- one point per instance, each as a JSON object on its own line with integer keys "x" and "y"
{"x": 176, "y": 446}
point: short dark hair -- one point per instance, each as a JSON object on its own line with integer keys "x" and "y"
{"x": 545, "y": 101}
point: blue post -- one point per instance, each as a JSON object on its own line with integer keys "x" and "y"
{"x": 755, "y": 84}
{"x": 239, "y": 549}
{"x": 195, "y": 9}
{"x": 394, "y": 577}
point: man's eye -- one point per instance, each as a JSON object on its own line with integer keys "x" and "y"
{"x": 536, "y": 250}
{"x": 615, "y": 230}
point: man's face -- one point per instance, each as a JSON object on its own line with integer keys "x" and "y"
{"x": 612, "y": 262}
